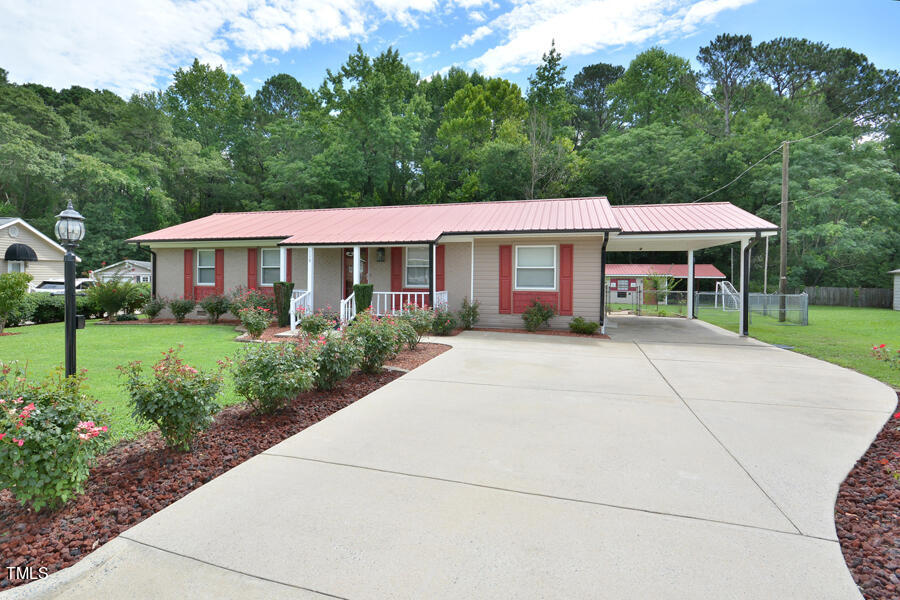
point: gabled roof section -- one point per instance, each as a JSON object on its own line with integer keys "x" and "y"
{"x": 419, "y": 223}
{"x": 698, "y": 217}
{"x": 144, "y": 264}
{"x": 8, "y": 221}
{"x": 679, "y": 271}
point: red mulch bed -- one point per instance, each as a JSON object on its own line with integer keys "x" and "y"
{"x": 9, "y": 333}
{"x": 136, "y": 479}
{"x": 867, "y": 515}
{"x": 558, "y": 332}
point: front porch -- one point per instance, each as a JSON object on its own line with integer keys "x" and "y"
{"x": 383, "y": 303}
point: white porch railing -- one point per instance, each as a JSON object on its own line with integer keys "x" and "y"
{"x": 394, "y": 303}
{"x": 348, "y": 309}
{"x": 441, "y": 300}
{"x": 300, "y": 299}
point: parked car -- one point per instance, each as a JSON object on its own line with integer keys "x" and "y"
{"x": 57, "y": 287}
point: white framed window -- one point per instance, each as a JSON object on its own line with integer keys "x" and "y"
{"x": 145, "y": 279}
{"x": 416, "y": 273}
{"x": 536, "y": 268}
{"x": 269, "y": 265}
{"x": 15, "y": 266}
{"x": 206, "y": 267}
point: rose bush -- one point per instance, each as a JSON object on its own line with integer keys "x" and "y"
{"x": 215, "y": 305}
{"x": 883, "y": 353}
{"x": 377, "y": 338}
{"x": 315, "y": 323}
{"x": 176, "y": 397}
{"x": 421, "y": 320}
{"x": 336, "y": 356}
{"x": 444, "y": 322}
{"x": 270, "y": 376}
{"x": 255, "y": 320}
{"x": 49, "y": 436}
{"x": 243, "y": 297}
{"x": 181, "y": 307}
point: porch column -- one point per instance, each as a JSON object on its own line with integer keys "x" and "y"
{"x": 432, "y": 260}
{"x": 603, "y": 283}
{"x": 744, "y": 325}
{"x": 282, "y": 264}
{"x": 310, "y": 273}
{"x": 690, "y": 285}
{"x": 356, "y": 269}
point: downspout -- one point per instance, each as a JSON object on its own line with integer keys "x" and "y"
{"x": 603, "y": 283}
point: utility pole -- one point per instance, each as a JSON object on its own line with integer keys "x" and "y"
{"x": 782, "y": 267}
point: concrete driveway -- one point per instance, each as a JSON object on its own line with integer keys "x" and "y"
{"x": 675, "y": 461}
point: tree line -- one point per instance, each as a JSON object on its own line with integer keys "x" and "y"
{"x": 375, "y": 132}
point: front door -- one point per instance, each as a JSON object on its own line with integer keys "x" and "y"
{"x": 348, "y": 269}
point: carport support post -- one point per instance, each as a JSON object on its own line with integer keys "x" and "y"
{"x": 603, "y": 283}
{"x": 690, "y": 285}
{"x": 310, "y": 273}
{"x": 356, "y": 268}
{"x": 282, "y": 266}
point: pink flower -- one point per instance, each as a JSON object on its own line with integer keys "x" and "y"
{"x": 19, "y": 442}
{"x": 882, "y": 346}
{"x": 2, "y": 435}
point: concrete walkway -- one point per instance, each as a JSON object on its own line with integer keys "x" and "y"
{"x": 675, "y": 461}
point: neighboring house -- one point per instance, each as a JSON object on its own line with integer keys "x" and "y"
{"x": 625, "y": 280}
{"x": 896, "y": 274}
{"x": 24, "y": 248}
{"x": 136, "y": 271}
{"x": 502, "y": 254}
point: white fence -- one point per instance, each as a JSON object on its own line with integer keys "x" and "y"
{"x": 348, "y": 309}
{"x": 301, "y": 303}
{"x": 394, "y": 303}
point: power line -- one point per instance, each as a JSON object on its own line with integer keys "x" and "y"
{"x": 744, "y": 172}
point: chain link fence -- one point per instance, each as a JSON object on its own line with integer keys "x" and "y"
{"x": 778, "y": 309}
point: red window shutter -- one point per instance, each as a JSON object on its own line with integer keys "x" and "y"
{"x": 220, "y": 271}
{"x": 566, "y": 278}
{"x": 251, "y": 268}
{"x": 188, "y": 273}
{"x": 505, "y": 280}
{"x": 439, "y": 269}
{"x": 290, "y": 264}
{"x": 396, "y": 269}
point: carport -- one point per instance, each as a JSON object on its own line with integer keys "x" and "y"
{"x": 687, "y": 228}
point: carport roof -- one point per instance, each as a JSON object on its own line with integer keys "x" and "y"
{"x": 680, "y": 271}
{"x": 424, "y": 223}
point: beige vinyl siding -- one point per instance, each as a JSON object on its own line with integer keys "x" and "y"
{"x": 586, "y": 273}
{"x": 49, "y": 264}
{"x": 235, "y": 263}
{"x": 458, "y": 272}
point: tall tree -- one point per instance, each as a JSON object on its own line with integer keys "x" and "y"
{"x": 587, "y": 92}
{"x": 728, "y": 64}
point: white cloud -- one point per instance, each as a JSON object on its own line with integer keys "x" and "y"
{"x": 418, "y": 57}
{"x": 477, "y": 16}
{"x": 470, "y": 38}
{"x": 585, "y": 26}
{"x": 135, "y": 45}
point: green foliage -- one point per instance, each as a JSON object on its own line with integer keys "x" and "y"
{"x": 283, "y": 291}
{"x": 377, "y": 338}
{"x": 47, "y": 308}
{"x": 214, "y": 305}
{"x": 176, "y": 397}
{"x": 154, "y": 306}
{"x": 468, "y": 313}
{"x": 270, "y": 376}
{"x": 420, "y": 321}
{"x": 136, "y": 297}
{"x": 113, "y": 295}
{"x": 363, "y": 295}
{"x": 181, "y": 307}
{"x": 255, "y": 320}
{"x": 336, "y": 356}
{"x": 579, "y": 325}
{"x": 127, "y": 317}
{"x": 242, "y": 297}
{"x": 316, "y": 323}
{"x": 13, "y": 290}
{"x": 444, "y": 322}
{"x": 537, "y": 315}
{"x": 48, "y": 436}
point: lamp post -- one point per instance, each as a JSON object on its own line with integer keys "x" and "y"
{"x": 70, "y": 231}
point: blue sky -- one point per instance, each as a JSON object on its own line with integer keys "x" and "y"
{"x": 136, "y": 45}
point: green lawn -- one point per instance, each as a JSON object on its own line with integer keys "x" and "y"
{"x": 841, "y": 335}
{"x": 102, "y": 347}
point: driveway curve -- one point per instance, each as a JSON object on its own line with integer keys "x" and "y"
{"x": 674, "y": 461}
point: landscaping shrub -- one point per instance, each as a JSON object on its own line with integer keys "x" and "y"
{"x": 420, "y": 320}
{"x": 86, "y": 306}
{"x": 336, "y": 356}
{"x": 154, "y": 306}
{"x": 883, "y": 353}
{"x": 377, "y": 338}
{"x": 468, "y": 313}
{"x": 13, "y": 291}
{"x": 48, "y": 436}
{"x": 47, "y": 308}
{"x": 23, "y": 312}
{"x": 136, "y": 296}
{"x": 579, "y": 325}
{"x": 316, "y": 323}
{"x": 111, "y": 296}
{"x": 537, "y": 315}
{"x": 362, "y": 292}
{"x": 215, "y": 305}
{"x": 179, "y": 399}
{"x": 405, "y": 335}
{"x": 444, "y": 322}
{"x": 283, "y": 291}
{"x": 255, "y": 320}
{"x": 270, "y": 376}
{"x": 181, "y": 307}
{"x": 126, "y": 317}
{"x": 243, "y": 297}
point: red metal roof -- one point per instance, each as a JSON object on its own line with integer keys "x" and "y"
{"x": 685, "y": 218}
{"x": 427, "y": 222}
{"x": 701, "y": 271}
